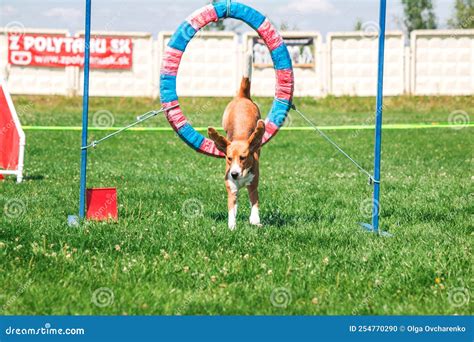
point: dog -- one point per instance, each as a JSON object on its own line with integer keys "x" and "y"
{"x": 245, "y": 130}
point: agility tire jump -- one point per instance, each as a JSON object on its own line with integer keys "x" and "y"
{"x": 174, "y": 52}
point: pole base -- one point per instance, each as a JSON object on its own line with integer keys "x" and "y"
{"x": 369, "y": 228}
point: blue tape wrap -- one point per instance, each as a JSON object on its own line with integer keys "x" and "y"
{"x": 182, "y": 36}
{"x": 281, "y": 58}
{"x": 192, "y": 137}
{"x": 168, "y": 89}
{"x": 279, "y": 112}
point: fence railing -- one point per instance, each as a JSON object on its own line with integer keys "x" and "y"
{"x": 436, "y": 62}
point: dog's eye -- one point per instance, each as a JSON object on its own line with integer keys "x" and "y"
{"x": 229, "y": 159}
{"x": 242, "y": 158}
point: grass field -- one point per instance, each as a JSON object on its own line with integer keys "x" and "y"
{"x": 171, "y": 252}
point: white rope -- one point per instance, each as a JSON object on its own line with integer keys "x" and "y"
{"x": 333, "y": 143}
{"x": 139, "y": 120}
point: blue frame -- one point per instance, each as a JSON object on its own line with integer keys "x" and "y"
{"x": 374, "y": 227}
{"x": 378, "y": 119}
{"x": 85, "y": 112}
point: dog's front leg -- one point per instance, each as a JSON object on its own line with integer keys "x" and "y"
{"x": 253, "y": 196}
{"x": 232, "y": 204}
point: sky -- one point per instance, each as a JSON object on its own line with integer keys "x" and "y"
{"x": 165, "y": 15}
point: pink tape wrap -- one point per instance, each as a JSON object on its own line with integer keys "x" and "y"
{"x": 270, "y": 35}
{"x": 285, "y": 84}
{"x": 209, "y": 147}
{"x": 171, "y": 60}
{"x": 202, "y": 17}
{"x": 270, "y": 130}
{"x": 175, "y": 116}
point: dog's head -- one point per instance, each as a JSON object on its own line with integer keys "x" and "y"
{"x": 240, "y": 154}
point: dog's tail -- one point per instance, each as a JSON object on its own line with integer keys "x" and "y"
{"x": 245, "y": 85}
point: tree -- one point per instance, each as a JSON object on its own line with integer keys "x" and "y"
{"x": 419, "y": 15}
{"x": 285, "y": 26}
{"x": 463, "y": 17}
{"x": 359, "y": 25}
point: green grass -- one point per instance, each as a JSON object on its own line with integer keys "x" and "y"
{"x": 159, "y": 260}
{"x": 64, "y": 111}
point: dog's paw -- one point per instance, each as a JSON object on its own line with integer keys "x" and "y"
{"x": 232, "y": 226}
{"x": 255, "y": 221}
{"x": 255, "y": 217}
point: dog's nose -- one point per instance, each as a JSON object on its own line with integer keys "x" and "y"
{"x": 234, "y": 175}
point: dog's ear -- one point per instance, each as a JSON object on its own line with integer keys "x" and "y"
{"x": 255, "y": 140}
{"x": 220, "y": 141}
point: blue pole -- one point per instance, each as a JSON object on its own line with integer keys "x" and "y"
{"x": 378, "y": 122}
{"x": 85, "y": 112}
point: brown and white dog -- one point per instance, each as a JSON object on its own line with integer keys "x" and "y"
{"x": 245, "y": 131}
